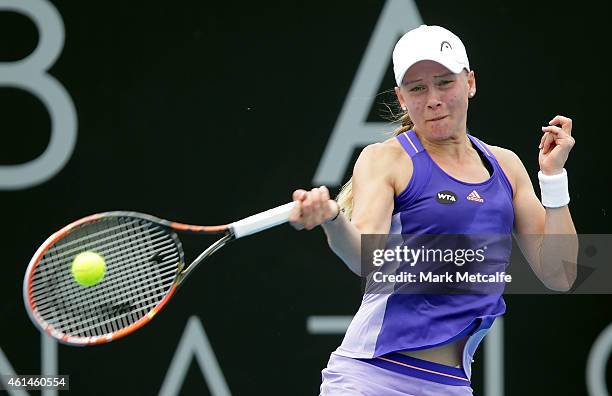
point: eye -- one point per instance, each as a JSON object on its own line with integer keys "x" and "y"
{"x": 417, "y": 88}
{"x": 445, "y": 82}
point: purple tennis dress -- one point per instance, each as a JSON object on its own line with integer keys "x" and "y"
{"x": 367, "y": 362}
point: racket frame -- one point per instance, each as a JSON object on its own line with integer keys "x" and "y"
{"x": 183, "y": 272}
{"x": 238, "y": 229}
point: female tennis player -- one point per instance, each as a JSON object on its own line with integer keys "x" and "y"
{"x": 401, "y": 344}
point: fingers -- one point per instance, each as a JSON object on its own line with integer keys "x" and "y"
{"x": 328, "y": 206}
{"x": 324, "y": 193}
{"x": 564, "y": 122}
{"x": 556, "y": 135}
{"x": 555, "y": 144}
{"x": 299, "y": 195}
{"x": 542, "y": 140}
{"x": 312, "y": 208}
{"x": 547, "y": 143}
{"x": 553, "y": 129}
{"x": 559, "y": 119}
{"x": 332, "y": 208}
{"x": 295, "y": 216}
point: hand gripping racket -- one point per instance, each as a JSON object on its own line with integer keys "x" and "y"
{"x": 144, "y": 266}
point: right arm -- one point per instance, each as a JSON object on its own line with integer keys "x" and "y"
{"x": 373, "y": 193}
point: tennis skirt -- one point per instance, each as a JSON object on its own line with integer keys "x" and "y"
{"x": 393, "y": 374}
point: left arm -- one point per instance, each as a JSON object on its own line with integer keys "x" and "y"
{"x": 545, "y": 235}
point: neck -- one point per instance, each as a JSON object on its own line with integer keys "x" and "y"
{"x": 455, "y": 145}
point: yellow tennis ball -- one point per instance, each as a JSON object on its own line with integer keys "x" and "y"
{"x": 88, "y": 268}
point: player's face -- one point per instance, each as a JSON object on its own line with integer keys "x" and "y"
{"x": 436, "y": 99}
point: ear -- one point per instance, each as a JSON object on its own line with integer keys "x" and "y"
{"x": 471, "y": 84}
{"x": 400, "y": 98}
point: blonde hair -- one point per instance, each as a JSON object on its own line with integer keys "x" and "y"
{"x": 345, "y": 197}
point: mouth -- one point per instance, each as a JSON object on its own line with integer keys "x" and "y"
{"x": 437, "y": 119}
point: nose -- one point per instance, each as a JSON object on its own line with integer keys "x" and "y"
{"x": 433, "y": 103}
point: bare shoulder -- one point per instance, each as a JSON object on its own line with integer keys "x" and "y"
{"x": 390, "y": 149}
{"x": 387, "y": 160}
{"x": 506, "y": 158}
{"x": 503, "y": 154}
{"x": 377, "y": 155}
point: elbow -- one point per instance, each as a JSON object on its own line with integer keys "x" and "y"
{"x": 563, "y": 284}
{"x": 559, "y": 287}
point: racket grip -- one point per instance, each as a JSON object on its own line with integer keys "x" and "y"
{"x": 262, "y": 221}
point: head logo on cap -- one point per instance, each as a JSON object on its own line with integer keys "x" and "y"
{"x": 445, "y": 45}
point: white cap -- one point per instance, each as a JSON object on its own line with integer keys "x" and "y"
{"x": 429, "y": 43}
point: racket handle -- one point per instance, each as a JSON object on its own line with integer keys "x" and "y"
{"x": 262, "y": 221}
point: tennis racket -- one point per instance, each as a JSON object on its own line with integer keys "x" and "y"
{"x": 145, "y": 264}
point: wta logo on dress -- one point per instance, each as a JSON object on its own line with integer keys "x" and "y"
{"x": 446, "y": 197}
{"x": 474, "y": 196}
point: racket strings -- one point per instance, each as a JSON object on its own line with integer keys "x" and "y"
{"x": 66, "y": 282}
{"x": 100, "y": 239}
{"x": 141, "y": 260}
{"x": 122, "y": 285}
{"x": 59, "y": 306}
{"x": 110, "y": 300}
{"x": 105, "y": 305}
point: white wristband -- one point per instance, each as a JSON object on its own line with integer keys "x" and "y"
{"x": 554, "y": 189}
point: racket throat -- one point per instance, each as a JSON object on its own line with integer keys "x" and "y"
{"x": 184, "y": 273}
